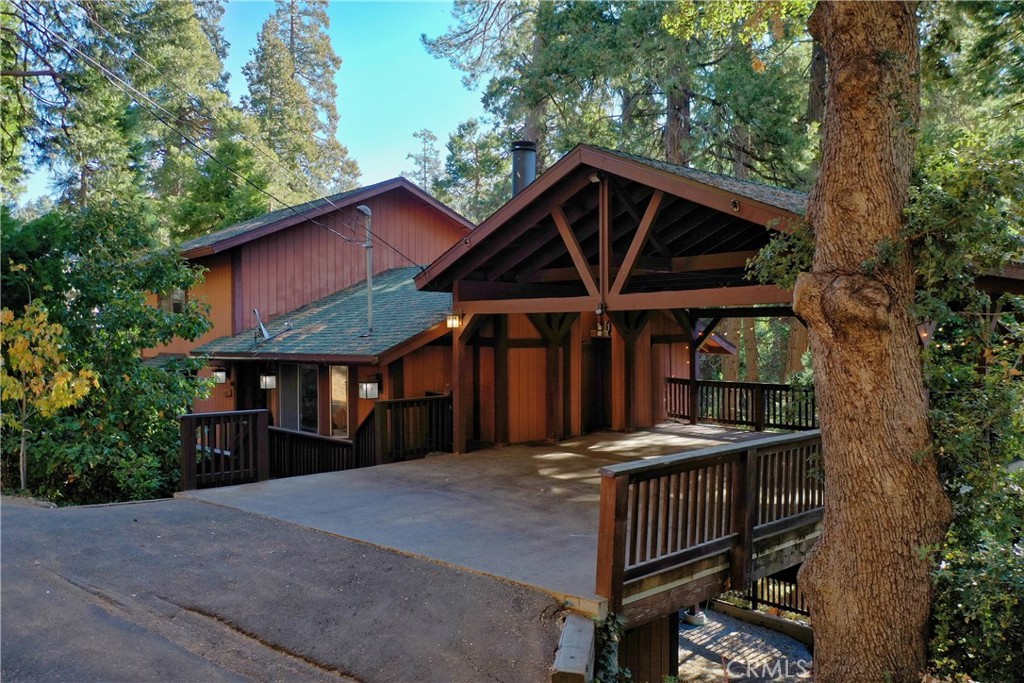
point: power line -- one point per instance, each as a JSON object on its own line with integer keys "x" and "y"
{"x": 134, "y": 93}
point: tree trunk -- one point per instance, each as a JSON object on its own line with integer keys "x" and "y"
{"x": 23, "y": 460}
{"x": 868, "y": 587}
{"x": 795, "y": 348}
{"x": 748, "y": 328}
{"x": 677, "y": 126}
{"x": 730, "y": 330}
{"x": 818, "y": 84}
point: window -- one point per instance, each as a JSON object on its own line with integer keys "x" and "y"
{"x": 299, "y": 398}
{"x": 173, "y": 302}
{"x": 339, "y": 401}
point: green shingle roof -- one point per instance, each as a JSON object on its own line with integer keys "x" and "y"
{"x": 793, "y": 201}
{"x": 332, "y": 326}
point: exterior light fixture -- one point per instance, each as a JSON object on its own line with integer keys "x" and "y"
{"x": 925, "y": 332}
{"x": 735, "y": 204}
{"x": 268, "y": 382}
{"x": 453, "y": 320}
{"x": 220, "y": 376}
{"x": 369, "y": 389}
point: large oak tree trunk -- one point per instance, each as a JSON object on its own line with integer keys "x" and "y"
{"x": 867, "y": 583}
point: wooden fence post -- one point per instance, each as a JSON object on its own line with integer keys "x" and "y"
{"x": 759, "y": 408}
{"x": 744, "y": 507}
{"x": 188, "y": 453}
{"x": 611, "y": 540}
{"x": 263, "y": 445}
{"x": 383, "y": 414}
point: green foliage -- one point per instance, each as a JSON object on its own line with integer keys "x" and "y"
{"x": 786, "y": 255}
{"x": 92, "y": 270}
{"x": 478, "y": 172}
{"x": 427, "y": 161}
{"x": 292, "y": 96}
{"x": 607, "y": 636}
{"x": 979, "y": 602}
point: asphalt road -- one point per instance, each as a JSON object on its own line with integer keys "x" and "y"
{"x": 180, "y": 590}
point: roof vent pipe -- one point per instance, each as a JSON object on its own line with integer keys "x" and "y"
{"x": 524, "y": 164}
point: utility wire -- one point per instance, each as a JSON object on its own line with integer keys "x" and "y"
{"x": 136, "y": 94}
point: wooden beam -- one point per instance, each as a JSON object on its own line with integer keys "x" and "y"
{"x": 704, "y": 334}
{"x": 714, "y": 197}
{"x": 695, "y": 298}
{"x": 604, "y": 239}
{"x": 501, "y": 379}
{"x": 582, "y": 267}
{"x": 745, "y": 312}
{"x": 475, "y": 290}
{"x": 638, "y": 243}
{"x": 569, "y": 304}
{"x": 734, "y": 259}
{"x": 631, "y": 209}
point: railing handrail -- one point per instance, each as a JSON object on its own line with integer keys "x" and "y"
{"x": 389, "y": 401}
{"x": 735, "y": 383}
{"x": 225, "y": 413}
{"x": 311, "y": 435}
{"x": 703, "y": 456}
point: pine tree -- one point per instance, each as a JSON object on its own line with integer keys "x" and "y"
{"x": 427, "y": 161}
{"x": 478, "y": 172}
{"x": 292, "y": 95}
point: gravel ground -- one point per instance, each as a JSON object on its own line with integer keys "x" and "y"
{"x": 728, "y": 650}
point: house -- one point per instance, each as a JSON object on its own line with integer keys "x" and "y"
{"x": 300, "y": 273}
{"x": 591, "y": 292}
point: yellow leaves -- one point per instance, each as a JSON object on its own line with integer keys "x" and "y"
{"x": 34, "y": 373}
{"x": 757, "y": 64}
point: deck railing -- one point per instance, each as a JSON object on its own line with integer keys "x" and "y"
{"x": 661, "y": 515}
{"x": 753, "y": 404}
{"x": 294, "y": 454}
{"x": 220, "y": 449}
{"x": 409, "y": 428}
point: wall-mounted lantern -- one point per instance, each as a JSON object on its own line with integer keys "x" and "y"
{"x": 453, "y": 320}
{"x": 220, "y": 376}
{"x": 369, "y": 389}
{"x": 268, "y": 382}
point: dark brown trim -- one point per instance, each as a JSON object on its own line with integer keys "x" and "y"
{"x": 306, "y": 214}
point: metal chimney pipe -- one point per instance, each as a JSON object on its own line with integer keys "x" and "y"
{"x": 524, "y": 164}
{"x": 368, "y": 215}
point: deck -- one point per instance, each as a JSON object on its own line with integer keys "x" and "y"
{"x": 528, "y": 514}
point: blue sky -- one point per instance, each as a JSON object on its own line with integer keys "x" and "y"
{"x": 388, "y": 86}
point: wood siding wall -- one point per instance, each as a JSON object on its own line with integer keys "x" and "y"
{"x": 303, "y": 263}
{"x": 527, "y": 385}
{"x": 214, "y": 290}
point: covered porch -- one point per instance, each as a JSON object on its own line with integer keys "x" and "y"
{"x": 588, "y": 300}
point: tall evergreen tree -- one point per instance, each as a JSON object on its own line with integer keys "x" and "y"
{"x": 427, "y": 160}
{"x": 293, "y": 97}
{"x": 478, "y": 171}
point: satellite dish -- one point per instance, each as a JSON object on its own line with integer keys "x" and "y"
{"x": 262, "y": 327}
{"x": 261, "y": 330}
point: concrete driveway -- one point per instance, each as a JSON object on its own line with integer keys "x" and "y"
{"x": 179, "y": 590}
{"x": 528, "y": 514}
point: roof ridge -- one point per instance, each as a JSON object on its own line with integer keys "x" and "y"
{"x": 691, "y": 169}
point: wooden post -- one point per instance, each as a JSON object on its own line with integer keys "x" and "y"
{"x": 611, "y": 540}
{"x": 501, "y": 379}
{"x": 744, "y": 508}
{"x": 553, "y": 395}
{"x": 759, "y": 408}
{"x": 462, "y": 381}
{"x": 694, "y": 376}
{"x": 263, "y": 445}
{"x": 188, "y": 453}
{"x": 380, "y": 424}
